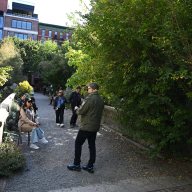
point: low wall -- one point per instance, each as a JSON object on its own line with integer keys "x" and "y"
{"x": 4, "y": 112}
{"x": 109, "y": 118}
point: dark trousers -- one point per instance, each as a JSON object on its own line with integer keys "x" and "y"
{"x": 73, "y": 117}
{"x": 80, "y": 139}
{"x": 59, "y": 115}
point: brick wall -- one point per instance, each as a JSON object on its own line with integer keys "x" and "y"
{"x": 3, "y": 5}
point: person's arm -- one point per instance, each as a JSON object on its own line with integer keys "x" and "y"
{"x": 55, "y": 103}
{"x": 84, "y": 108}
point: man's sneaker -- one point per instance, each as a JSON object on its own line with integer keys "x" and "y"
{"x": 88, "y": 168}
{"x": 43, "y": 140}
{"x": 58, "y": 124}
{"x": 62, "y": 125}
{"x": 74, "y": 167}
{"x": 33, "y": 146}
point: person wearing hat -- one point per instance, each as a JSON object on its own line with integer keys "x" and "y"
{"x": 75, "y": 100}
{"x": 91, "y": 113}
{"x": 21, "y": 100}
{"x": 28, "y": 123}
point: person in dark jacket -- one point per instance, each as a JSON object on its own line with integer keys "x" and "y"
{"x": 75, "y": 100}
{"x": 91, "y": 113}
{"x": 59, "y": 106}
{"x": 35, "y": 108}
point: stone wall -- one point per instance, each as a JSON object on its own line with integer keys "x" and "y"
{"x": 110, "y": 116}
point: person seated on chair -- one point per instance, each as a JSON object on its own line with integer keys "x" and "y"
{"x": 28, "y": 123}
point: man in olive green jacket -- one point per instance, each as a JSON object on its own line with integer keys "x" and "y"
{"x": 91, "y": 113}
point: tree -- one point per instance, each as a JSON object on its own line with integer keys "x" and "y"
{"x": 10, "y": 62}
{"x": 55, "y": 69}
{"x": 140, "y": 53}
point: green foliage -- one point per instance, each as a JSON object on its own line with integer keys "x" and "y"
{"x": 13, "y": 117}
{"x": 11, "y": 159}
{"x": 46, "y": 60}
{"x": 30, "y": 54}
{"x": 4, "y": 75}
{"x": 11, "y": 62}
{"x": 54, "y": 67}
{"x": 140, "y": 53}
{"x": 22, "y": 88}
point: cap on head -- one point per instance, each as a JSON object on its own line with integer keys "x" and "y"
{"x": 28, "y": 99}
{"x": 94, "y": 86}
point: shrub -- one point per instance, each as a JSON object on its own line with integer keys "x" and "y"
{"x": 11, "y": 159}
{"x": 22, "y": 88}
{"x": 13, "y": 117}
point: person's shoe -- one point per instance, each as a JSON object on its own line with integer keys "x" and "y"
{"x": 33, "y": 146}
{"x": 88, "y": 168}
{"x": 72, "y": 126}
{"x": 58, "y": 124}
{"x": 43, "y": 140}
{"x": 62, "y": 125}
{"x": 74, "y": 167}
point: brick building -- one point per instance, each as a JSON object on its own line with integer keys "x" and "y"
{"x": 21, "y": 22}
{"x": 54, "y": 32}
{"x": 3, "y": 5}
{"x": 3, "y": 9}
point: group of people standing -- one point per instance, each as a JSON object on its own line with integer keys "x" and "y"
{"x": 59, "y": 103}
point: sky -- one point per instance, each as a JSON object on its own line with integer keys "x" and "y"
{"x": 56, "y": 11}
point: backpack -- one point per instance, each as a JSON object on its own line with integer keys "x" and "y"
{"x": 13, "y": 118}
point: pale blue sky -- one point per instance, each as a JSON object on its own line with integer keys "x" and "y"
{"x": 55, "y": 11}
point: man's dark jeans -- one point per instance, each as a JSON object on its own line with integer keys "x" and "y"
{"x": 80, "y": 139}
{"x": 73, "y": 117}
{"x": 59, "y": 115}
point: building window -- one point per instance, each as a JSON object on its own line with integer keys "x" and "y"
{"x": 21, "y": 24}
{"x": 24, "y": 25}
{"x": 29, "y": 25}
{"x": 55, "y": 36}
{"x": 21, "y": 36}
{"x": 67, "y": 36}
{"x": 25, "y": 36}
{"x": 14, "y": 24}
{"x": 50, "y": 34}
{"x": 1, "y": 22}
{"x": 61, "y": 36}
{"x": 1, "y": 34}
{"x": 43, "y": 33}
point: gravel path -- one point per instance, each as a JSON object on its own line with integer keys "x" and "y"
{"x": 120, "y": 166}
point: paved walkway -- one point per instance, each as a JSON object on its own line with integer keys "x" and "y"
{"x": 120, "y": 166}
